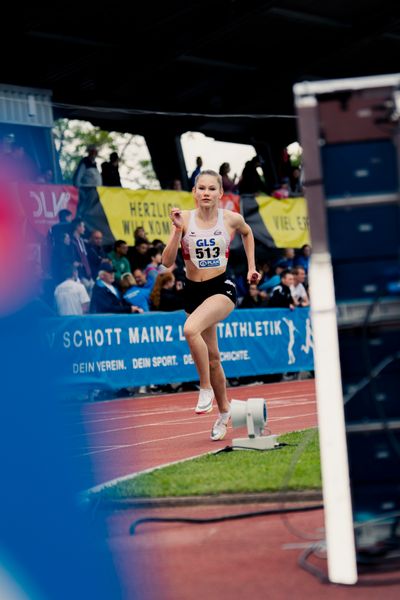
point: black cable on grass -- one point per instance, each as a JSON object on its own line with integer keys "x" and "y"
{"x": 222, "y": 518}
{"x": 262, "y": 513}
{"x": 232, "y": 448}
{"x": 281, "y": 510}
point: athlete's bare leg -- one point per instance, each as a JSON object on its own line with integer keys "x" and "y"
{"x": 217, "y": 375}
{"x": 209, "y": 313}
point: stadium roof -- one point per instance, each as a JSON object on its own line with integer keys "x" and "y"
{"x": 226, "y": 68}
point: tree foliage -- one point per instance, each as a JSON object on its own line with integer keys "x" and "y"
{"x": 72, "y": 137}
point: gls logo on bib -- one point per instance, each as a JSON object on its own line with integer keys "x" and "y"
{"x": 204, "y": 243}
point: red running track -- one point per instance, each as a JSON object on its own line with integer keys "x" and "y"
{"x": 251, "y": 558}
{"x": 129, "y": 435}
{"x": 247, "y": 559}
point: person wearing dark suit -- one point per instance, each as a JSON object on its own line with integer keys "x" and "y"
{"x": 110, "y": 171}
{"x": 281, "y": 295}
{"x": 56, "y": 233}
{"x": 80, "y": 254}
{"x": 95, "y": 252}
{"x": 105, "y": 296}
{"x": 251, "y": 181}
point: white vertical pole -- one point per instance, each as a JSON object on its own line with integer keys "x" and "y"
{"x": 342, "y": 567}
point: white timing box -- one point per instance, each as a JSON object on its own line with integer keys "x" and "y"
{"x": 260, "y": 442}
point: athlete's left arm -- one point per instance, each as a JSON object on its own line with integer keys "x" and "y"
{"x": 240, "y": 225}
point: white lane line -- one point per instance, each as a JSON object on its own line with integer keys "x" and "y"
{"x": 145, "y": 413}
{"x": 154, "y": 424}
{"x": 110, "y": 447}
{"x": 111, "y": 482}
{"x": 297, "y": 399}
{"x": 167, "y": 422}
{"x": 178, "y": 395}
{"x": 135, "y": 414}
{"x": 123, "y": 446}
{"x": 291, "y": 417}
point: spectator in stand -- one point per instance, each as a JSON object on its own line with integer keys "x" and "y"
{"x": 228, "y": 184}
{"x": 138, "y": 255}
{"x": 266, "y": 270}
{"x": 110, "y": 171}
{"x": 105, "y": 297}
{"x": 140, "y": 234}
{"x": 254, "y": 298}
{"x": 158, "y": 243}
{"x": 56, "y": 233}
{"x": 154, "y": 267}
{"x": 87, "y": 178}
{"x": 303, "y": 257}
{"x": 296, "y": 183}
{"x": 299, "y": 291}
{"x": 282, "y": 190}
{"x": 288, "y": 256}
{"x": 251, "y": 181}
{"x": 80, "y": 254}
{"x": 136, "y": 289}
{"x": 176, "y": 185}
{"x": 71, "y": 297}
{"x": 275, "y": 279}
{"x": 62, "y": 255}
{"x": 302, "y": 278}
{"x": 119, "y": 259}
{"x": 95, "y": 252}
{"x": 166, "y": 296}
{"x": 87, "y": 173}
{"x": 199, "y": 164}
{"x": 15, "y": 164}
{"x": 25, "y": 168}
{"x": 281, "y": 295}
{"x": 59, "y": 248}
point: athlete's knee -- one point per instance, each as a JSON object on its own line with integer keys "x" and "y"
{"x": 189, "y": 331}
{"x": 215, "y": 362}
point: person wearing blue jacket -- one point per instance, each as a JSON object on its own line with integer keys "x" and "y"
{"x": 106, "y": 298}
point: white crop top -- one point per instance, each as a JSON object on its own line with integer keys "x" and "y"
{"x": 206, "y": 248}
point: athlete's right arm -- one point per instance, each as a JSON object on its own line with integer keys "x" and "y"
{"x": 171, "y": 249}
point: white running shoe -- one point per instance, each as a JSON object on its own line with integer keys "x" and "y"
{"x": 205, "y": 401}
{"x": 218, "y": 432}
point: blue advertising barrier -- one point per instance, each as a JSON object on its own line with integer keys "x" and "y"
{"x": 132, "y": 350}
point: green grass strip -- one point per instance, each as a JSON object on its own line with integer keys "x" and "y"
{"x": 294, "y": 467}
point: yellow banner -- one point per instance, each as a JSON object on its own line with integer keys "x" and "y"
{"x": 286, "y": 220}
{"x": 128, "y": 209}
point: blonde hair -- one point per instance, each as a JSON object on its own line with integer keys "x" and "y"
{"x": 127, "y": 280}
{"x": 161, "y": 280}
{"x": 212, "y": 174}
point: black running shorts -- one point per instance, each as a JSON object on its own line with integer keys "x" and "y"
{"x": 195, "y": 292}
